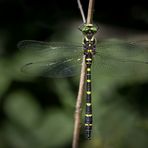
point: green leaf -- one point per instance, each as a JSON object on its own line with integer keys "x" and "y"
{"x": 21, "y": 107}
{"x": 55, "y": 129}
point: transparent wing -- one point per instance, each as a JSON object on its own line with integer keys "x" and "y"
{"x": 120, "y": 58}
{"x": 51, "y": 50}
{"x": 59, "y": 68}
{"x": 57, "y": 59}
{"x": 126, "y": 51}
{"x": 106, "y": 65}
{"x": 54, "y": 59}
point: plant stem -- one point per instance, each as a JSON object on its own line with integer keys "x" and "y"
{"x": 90, "y": 11}
{"x": 81, "y": 11}
{"x": 77, "y": 122}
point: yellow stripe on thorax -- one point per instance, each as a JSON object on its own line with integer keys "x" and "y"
{"x": 89, "y": 50}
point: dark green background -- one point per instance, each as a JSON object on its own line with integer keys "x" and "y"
{"x": 38, "y": 112}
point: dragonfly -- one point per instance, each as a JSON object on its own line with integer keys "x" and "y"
{"x": 63, "y": 59}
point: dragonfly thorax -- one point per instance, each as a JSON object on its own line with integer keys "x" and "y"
{"x": 89, "y": 46}
{"x": 89, "y": 41}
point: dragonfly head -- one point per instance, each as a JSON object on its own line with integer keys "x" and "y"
{"x": 88, "y": 29}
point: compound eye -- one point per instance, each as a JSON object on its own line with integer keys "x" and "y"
{"x": 86, "y": 31}
{"x": 93, "y": 29}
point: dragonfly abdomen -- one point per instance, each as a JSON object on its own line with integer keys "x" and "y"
{"x": 88, "y": 113}
{"x": 89, "y": 46}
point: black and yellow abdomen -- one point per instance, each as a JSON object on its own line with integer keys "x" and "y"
{"x": 88, "y": 112}
{"x": 89, "y": 48}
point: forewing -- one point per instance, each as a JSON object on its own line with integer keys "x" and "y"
{"x": 53, "y": 50}
{"x": 126, "y": 51}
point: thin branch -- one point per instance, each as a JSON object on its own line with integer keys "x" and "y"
{"x": 90, "y": 11}
{"x": 81, "y": 11}
{"x": 77, "y": 123}
{"x": 77, "y": 126}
